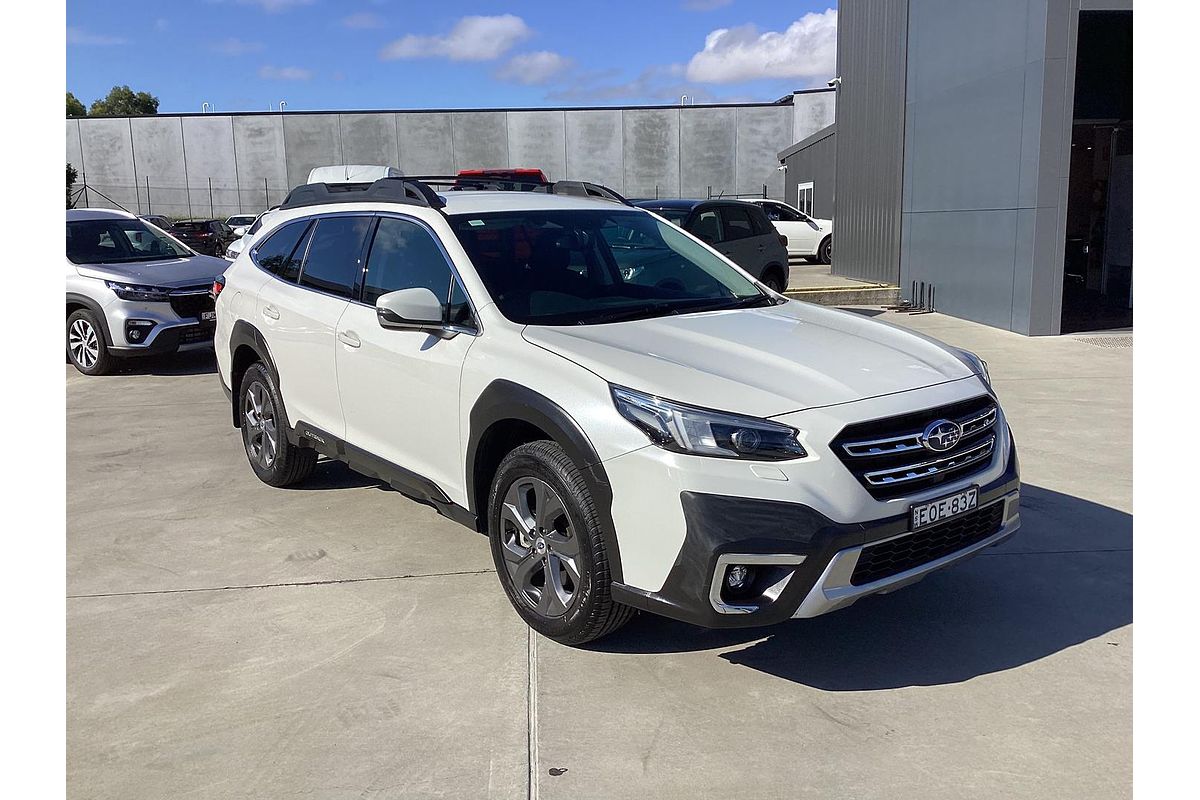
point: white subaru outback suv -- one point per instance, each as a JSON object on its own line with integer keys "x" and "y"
{"x": 673, "y": 438}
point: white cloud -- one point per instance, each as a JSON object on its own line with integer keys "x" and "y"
{"x": 162, "y": 24}
{"x": 807, "y": 49}
{"x": 660, "y": 83}
{"x": 362, "y": 20}
{"x": 275, "y": 6}
{"x": 237, "y": 47}
{"x": 471, "y": 39}
{"x": 705, "y": 5}
{"x": 534, "y": 69}
{"x": 80, "y": 36}
{"x": 284, "y": 73}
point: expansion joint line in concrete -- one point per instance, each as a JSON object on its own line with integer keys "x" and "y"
{"x": 282, "y": 585}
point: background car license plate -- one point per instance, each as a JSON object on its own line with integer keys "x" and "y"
{"x": 208, "y": 316}
{"x": 944, "y": 508}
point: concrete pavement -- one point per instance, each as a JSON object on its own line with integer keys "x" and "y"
{"x": 226, "y": 639}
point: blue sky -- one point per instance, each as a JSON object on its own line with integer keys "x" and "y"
{"x": 245, "y": 55}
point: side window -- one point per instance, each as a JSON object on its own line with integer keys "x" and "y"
{"x": 782, "y": 213}
{"x": 762, "y": 225}
{"x": 404, "y": 255}
{"x": 283, "y": 250}
{"x": 460, "y": 308}
{"x": 737, "y": 223}
{"x": 334, "y": 259}
{"x": 707, "y": 227}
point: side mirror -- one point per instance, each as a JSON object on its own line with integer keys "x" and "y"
{"x": 410, "y": 309}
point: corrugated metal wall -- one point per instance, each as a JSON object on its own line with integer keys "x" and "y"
{"x": 872, "y": 37}
{"x": 816, "y": 163}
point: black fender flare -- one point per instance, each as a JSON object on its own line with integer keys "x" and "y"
{"x": 94, "y": 307}
{"x": 245, "y": 334}
{"x": 505, "y": 400}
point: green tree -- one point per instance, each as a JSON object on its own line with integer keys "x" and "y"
{"x": 122, "y": 102}
{"x": 71, "y": 176}
{"x": 74, "y": 107}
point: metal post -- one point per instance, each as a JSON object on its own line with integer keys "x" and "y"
{"x": 211, "y": 211}
{"x": 764, "y": 191}
{"x": 266, "y": 194}
{"x": 86, "y": 202}
{"x": 149, "y": 205}
{"x": 710, "y": 193}
{"x": 932, "y": 292}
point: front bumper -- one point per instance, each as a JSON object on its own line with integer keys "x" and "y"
{"x": 813, "y": 558}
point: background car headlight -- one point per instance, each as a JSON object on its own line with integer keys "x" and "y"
{"x": 148, "y": 294}
{"x": 977, "y": 364}
{"x": 686, "y": 429}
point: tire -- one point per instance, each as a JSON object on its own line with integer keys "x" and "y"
{"x": 825, "y": 250}
{"x": 85, "y": 344}
{"x": 275, "y": 460}
{"x": 773, "y": 282}
{"x": 546, "y": 544}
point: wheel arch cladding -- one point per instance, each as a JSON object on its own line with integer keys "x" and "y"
{"x": 75, "y": 302}
{"x": 507, "y": 415}
{"x": 247, "y": 346}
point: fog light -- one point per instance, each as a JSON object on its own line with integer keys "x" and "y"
{"x": 138, "y": 330}
{"x": 738, "y": 576}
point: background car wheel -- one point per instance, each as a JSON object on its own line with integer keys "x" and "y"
{"x": 275, "y": 460}
{"x": 773, "y": 282}
{"x": 546, "y": 544}
{"x": 825, "y": 251}
{"x": 85, "y": 344}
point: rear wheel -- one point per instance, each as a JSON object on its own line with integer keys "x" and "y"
{"x": 825, "y": 251}
{"x": 546, "y": 544}
{"x": 773, "y": 281}
{"x": 275, "y": 460}
{"x": 85, "y": 344}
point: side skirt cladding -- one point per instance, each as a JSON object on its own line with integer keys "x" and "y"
{"x": 504, "y": 407}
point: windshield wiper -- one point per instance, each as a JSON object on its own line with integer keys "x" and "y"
{"x": 641, "y": 312}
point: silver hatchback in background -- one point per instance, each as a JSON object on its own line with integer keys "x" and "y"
{"x": 133, "y": 289}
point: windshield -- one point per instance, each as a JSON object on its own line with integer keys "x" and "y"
{"x": 675, "y": 216}
{"x": 113, "y": 241}
{"x": 235, "y": 222}
{"x": 595, "y": 266}
{"x": 192, "y": 226}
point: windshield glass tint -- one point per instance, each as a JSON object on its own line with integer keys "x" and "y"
{"x": 110, "y": 241}
{"x": 595, "y": 266}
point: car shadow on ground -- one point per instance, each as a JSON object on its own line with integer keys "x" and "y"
{"x": 332, "y": 474}
{"x": 192, "y": 362}
{"x": 1065, "y": 579}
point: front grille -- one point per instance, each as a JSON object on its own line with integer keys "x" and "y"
{"x": 190, "y": 302}
{"x": 883, "y": 560}
{"x": 196, "y": 333}
{"x": 888, "y": 458}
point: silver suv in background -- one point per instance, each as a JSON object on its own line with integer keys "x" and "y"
{"x": 133, "y": 289}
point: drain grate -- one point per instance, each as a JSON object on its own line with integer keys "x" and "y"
{"x": 1111, "y": 342}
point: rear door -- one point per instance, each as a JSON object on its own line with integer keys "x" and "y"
{"x": 299, "y": 311}
{"x": 741, "y": 242}
{"x": 801, "y": 235}
{"x": 399, "y": 388}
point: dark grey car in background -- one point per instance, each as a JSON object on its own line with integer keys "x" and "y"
{"x": 738, "y": 230}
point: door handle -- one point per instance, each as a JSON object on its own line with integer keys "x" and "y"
{"x": 349, "y": 338}
{"x": 762, "y": 247}
{"x": 271, "y": 311}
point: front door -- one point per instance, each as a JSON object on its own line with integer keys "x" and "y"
{"x": 740, "y": 241}
{"x": 399, "y": 388}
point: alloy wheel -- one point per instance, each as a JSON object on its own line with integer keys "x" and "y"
{"x": 541, "y": 551}
{"x": 259, "y": 418}
{"x": 83, "y": 343}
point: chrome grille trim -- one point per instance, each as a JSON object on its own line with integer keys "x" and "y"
{"x": 912, "y": 472}
{"x": 912, "y": 441}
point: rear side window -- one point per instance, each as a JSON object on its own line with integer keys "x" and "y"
{"x": 707, "y": 226}
{"x": 780, "y": 213}
{"x": 334, "y": 259}
{"x": 737, "y": 223}
{"x": 283, "y": 250}
{"x": 404, "y": 255}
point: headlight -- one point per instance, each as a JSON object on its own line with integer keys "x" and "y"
{"x": 148, "y": 294}
{"x": 686, "y": 429}
{"x": 977, "y": 364}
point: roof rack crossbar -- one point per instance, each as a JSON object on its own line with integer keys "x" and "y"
{"x": 391, "y": 190}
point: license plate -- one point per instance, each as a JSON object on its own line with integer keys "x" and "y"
{"x": 208, "y": 316}
{"x": 944, "y": 508}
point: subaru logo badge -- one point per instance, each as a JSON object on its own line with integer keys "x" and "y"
{"x": 941, "y": 435}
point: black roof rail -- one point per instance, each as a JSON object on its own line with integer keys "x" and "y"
{"x": 587, "y": 189}
{"x": 388, "y": 190}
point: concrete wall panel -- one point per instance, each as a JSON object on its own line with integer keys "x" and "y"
{"x": 369, "y": 139}
{"x": 707, "y": 147}
{"x": 651, "y": 152}
{"x": 74, "y": 152}
{"x": 812, "y": 111}
{"x": 757, "y": 130}
{"x": 261, "y": 167}
{"x": 480, "y": 140}
{"x": 107, "y": 152}
{"x": 426, "y": 145}
{"x": 208, "y": 143}
{"x": 538, "y": 139}
{"x": 594, "y": 148}
{"x": 158, "y": 156}
{"x": 310, "y": 140}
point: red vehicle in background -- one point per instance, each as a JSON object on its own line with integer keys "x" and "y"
{"x": 519, "y": 180}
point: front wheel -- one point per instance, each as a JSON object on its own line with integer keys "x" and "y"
{"x": 85, "y": 344}
{"x": 546, "y": 544}
{"x": 825, "y": 251}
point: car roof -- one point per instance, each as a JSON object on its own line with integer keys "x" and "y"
{"x": 81, "y": 214}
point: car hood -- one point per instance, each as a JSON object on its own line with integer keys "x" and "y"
{"x": 763, "y": 361}
{"x": 171, "y": 273}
